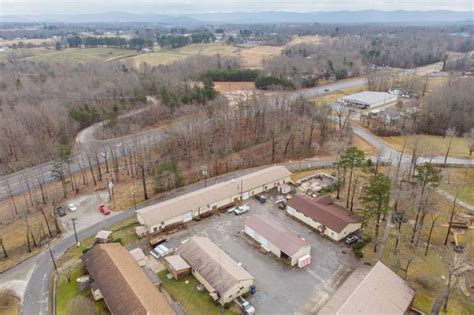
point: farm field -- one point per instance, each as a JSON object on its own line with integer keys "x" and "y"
{"x": 84, "y": 54}
{"x": 255, "y": 56}
{"x": 431, "y": 145}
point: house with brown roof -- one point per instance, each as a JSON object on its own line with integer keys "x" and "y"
{"x": 222, "y": 277}
{"x": 324, "y": 215}
{"x": 278, "y": 240}
{"x": 376, "y": 290}
{"x": 124, "y": 286}
{"x": 196, "y": 203}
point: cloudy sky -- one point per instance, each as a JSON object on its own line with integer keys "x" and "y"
{"x": 22, "y": 7}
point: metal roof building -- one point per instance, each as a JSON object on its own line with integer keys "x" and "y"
{"x": 371, "y": 291}
{"x": 222, "y": 277}
{"x": 368, "y": 99}
{"x": 279, "y": 240}
{"x": 125, "y": 288}
{"x": 185, "y": 207}
{"x": 324, "y": 215}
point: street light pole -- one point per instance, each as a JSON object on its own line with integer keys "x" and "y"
{"x": 75, "y": 232}
{"x": 52, "y": 258}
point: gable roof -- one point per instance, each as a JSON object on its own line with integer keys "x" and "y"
{"x": 123, "y": 284}
{"x": 286, "y": 240}
{"x": 324, "y": 211}
{"x": 378, "y": 291}
{"x": 201, "y": 198}
{"x": 213, "y": 264}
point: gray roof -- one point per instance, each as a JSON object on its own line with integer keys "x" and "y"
{"x": 287, "y": 241}
{"x": 213, "y": 264}
{"x": 370, "y": 97}
{"x": 201, "y": 198}
{"x": 378, "y": 291}
{"x": 177, "y": 262}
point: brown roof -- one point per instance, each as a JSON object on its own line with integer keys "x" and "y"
{"x": 125, "y": 287}
{"x": 378, "y": 291}
{"x": 213, "y": 264}
{"x": 201, "y": 198}
{"x": 324, "y": 211}
{"x": 286, "y": 240}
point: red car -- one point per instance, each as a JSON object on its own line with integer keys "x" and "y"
{"x": 104, "y": 209}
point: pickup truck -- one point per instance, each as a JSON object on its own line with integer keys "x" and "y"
{"x": 160, "y": 251}
{"x": 245, "y": 306}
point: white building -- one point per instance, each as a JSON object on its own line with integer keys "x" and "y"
{"x": 185, "y": 207}
{"x": 369, "y": 99}
{"x": 222, "y": 277}
{"x": 282, "y": 242}
{"x": 322, "y": 214}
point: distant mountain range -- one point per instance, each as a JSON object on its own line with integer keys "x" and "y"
{"x": 267, "y": 17}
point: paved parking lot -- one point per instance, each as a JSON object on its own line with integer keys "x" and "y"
{"x": 280, "y": 289}
{"x": 87, "y": 212}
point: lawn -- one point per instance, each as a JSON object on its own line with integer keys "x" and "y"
{"x": 193, "y": 301}
{"x": 84, "y": 54}
{"x": 432, "y": 145}
{"x": 67, "y": 291}
{"x": 461, "y": 179}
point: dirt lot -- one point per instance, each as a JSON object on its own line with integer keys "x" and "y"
{"x": 280, "y": 289}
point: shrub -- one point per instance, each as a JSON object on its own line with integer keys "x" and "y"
{"x": 270, "y": 82}
{"x": 341, "y": 74}
{"x": 245, "y": 295}
{"x": 229, "y": 74}
{"x": 358, "y": 252}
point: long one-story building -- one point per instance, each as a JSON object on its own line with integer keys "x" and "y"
{"x": 324, "y": 215}
{"x": 124, "y": 286}
{"x": 376, "y": 290}
{"x": 222, "y": 277}
{"x": 280, "y": 241}
{"x": 185, "y": 207}
{"x": 369, "y": 99}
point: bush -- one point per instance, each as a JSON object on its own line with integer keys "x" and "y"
{"x": 245, "y": 295}
{"x": 117, "y": 240}
{"x": 229, "y": 74}
{"x": 358, "y": 252}
{"x": 270, "y": 82}
{"x": 341, "y": 74}
{"x": 309, "y": 83}
{"x": 227, "y": 306}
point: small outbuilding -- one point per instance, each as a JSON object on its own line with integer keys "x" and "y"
{"x": 139, "y": 256}
{"x": 282, "y": 242}
{"x": 177, "y": 266}
{"x": 322, "y": 214}
{"x": 103, "y": 236}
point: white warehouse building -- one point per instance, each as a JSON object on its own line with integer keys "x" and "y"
{"x": 369, "y": 99}
{"x": 278, "y": 240}
{"x": 188, "y": 206}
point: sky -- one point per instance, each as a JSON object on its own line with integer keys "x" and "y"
{"x": 40, "y": 7}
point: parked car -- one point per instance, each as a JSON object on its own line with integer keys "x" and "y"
{"x": 160, "y": 251}
{"x": 61, "y": 211}
{"x": 241, "y": 209}
{"x": 326, "y": 90}
{"x": 104, "y": 210}
{"x": 71, "y": 207}
{"x": 351, "y": 239}
{"x": 261, "y": 198}
{"x": 281, "y": 203}
{"x": 245, "y": 306}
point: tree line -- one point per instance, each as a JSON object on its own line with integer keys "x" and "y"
{"x": 117, "y": 42}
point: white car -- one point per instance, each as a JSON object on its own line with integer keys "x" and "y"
{"x": 71, "y": 207}
{"x": 241, "y": 209}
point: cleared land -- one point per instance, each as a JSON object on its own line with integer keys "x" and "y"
{"x": 229, "y": 87}
{"x": 84, "y": 54}
{"x": 461, "y": 181}
{"x": 432, "y": 145}
{"x": 255, "y": 56}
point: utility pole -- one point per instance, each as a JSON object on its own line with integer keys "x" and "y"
{"x": 75, "y": 232}
{"x": 134, "y": 200}
{"x": 52, "y": 258}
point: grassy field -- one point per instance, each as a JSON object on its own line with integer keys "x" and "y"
{"x": 67, "y": 291}
{"x": 432, "y": 145}
{"x": 84, "y": 54}
{"x": 193, "y": 301}
{"x": 461, "y": 179}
